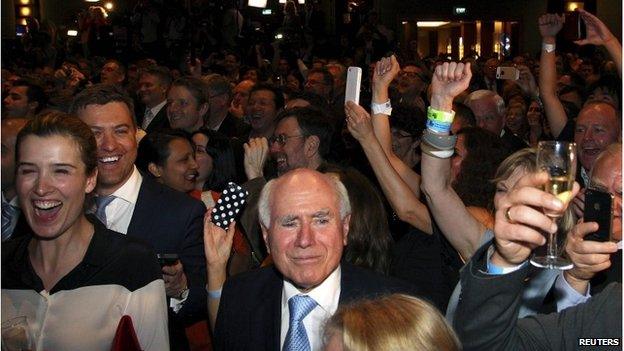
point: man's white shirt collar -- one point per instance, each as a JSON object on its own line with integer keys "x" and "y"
{"x": 129, "y": 192}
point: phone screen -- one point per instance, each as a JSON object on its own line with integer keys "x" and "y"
{"x": 574, "y": 26}
{"x": 599, "y": 209}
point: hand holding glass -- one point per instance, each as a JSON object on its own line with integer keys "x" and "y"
{"x": 558, "y": 158}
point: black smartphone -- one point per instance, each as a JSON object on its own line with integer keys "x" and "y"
{"x": 167, "y": 259}
{"x": 574, "y": 26}
{"x": 599, "y": 209}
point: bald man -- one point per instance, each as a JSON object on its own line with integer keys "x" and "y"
{"x": 305, "y": 223}
{"x": 10, "y": 208}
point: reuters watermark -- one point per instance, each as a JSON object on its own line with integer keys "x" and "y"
{"x": 599, "y": 342}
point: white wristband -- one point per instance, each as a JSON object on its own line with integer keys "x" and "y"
{"x": 385, "y": 108}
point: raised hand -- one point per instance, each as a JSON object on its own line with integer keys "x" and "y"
{"x": 550, "y": 24}
{"x": 359, "y": 122}
{"x": 527, "y": 81}
{"x": 519, "y": 219}
{"x": 256, "y": 152}
{"x": 236, "y": 110}
{"x": 597, "y": 32}
{"x": 449, "y": 80}
{"x": 386, "y": 70}
{"x": 217, "y": 243}
{"x": 589, "y": 257}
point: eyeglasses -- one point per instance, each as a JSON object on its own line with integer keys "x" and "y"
{"x": 282, "y": 138}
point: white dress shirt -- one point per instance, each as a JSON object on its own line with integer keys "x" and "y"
{"x": 119, "y": 211}
{"x": 326, "y": 296}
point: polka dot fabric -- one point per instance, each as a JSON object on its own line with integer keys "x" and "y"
{"x": 229, "y": 205}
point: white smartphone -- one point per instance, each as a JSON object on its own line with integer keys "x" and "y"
{"x": 507, "y": 73}
{"x": 354, "y": 80}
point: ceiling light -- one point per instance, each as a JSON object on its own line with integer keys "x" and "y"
{"x": 430, "y": 23}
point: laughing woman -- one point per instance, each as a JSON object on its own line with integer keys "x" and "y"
{"x": 72, "y": 280}
{"x": 169, "y": 157}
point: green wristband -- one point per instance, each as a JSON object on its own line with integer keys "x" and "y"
{"x": 439, "y": 121}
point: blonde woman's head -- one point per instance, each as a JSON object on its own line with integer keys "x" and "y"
{"x": 395, "y": 322}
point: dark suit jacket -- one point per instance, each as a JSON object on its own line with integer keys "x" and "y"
{"x": 486, "y": 317}
{"x": 233, "y": 127}
{"x": 172, "y": 222}
{"x": 512, "y": 142}
{"x": 158, "y": 123}
{"x": 249, "y": 315}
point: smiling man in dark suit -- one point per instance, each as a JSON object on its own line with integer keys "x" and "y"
{"x": 131, "y": 204}
{"x": 305, "y": 222}
{"x": 154, "y": 83}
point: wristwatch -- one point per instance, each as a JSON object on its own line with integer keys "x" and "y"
{"x": 548, "y": 47}
{"x": 385, "y": 108}
{"x": 183, "y": 294}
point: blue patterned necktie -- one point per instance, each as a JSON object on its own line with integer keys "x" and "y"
{"x": 297, "y": 337}
{"x": 8, "y": 214}
{"x": 101, "y": 203}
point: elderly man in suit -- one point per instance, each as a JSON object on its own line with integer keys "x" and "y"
{"x": 305, "y": 222}
{"x": 131, "y": 204}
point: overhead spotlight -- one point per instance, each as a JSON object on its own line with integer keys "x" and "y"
{"x": 24, "y": 2}
{"x": 25, "y": 11}
{"x": 108, "y": 6}
{"x": 92, "y": 0}
{"x": 257, "y": 3}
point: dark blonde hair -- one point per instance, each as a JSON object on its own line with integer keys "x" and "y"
{"x": 393, "y": 322}
{"x": 526, "y": 160}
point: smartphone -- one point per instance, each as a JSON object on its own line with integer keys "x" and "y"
{"x": 354, "y": 80}
{"x": 599, "y": 209}
{"x": 503, "y": 72}
{"x": 168, "y": 259}
{"x": 229, "y": 205}
{"x": 574, "y": 26}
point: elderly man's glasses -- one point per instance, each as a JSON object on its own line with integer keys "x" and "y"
{"x": 282, "y": 138}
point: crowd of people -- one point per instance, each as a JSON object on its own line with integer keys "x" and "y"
{"x": 403, "y": 222}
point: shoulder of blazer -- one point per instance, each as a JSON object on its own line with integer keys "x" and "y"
{"x": 154, "y": 193}
{"x": 357, "y": 282}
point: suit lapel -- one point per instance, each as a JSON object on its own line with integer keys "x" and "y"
{"x": 265, "y": 319}
{"x": 140, "y": 224}
{"x": 160, "y": 121}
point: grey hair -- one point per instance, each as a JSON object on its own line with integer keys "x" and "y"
{"x": 264, "y": 208}
{"x": 483, "y": 94}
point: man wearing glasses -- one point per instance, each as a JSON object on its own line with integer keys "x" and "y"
{"x": 301, "y": 139}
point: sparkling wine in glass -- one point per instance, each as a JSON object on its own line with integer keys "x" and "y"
{"x": 558, "y": 158}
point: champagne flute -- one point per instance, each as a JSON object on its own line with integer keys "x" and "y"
{"x": 558, "y": 158}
